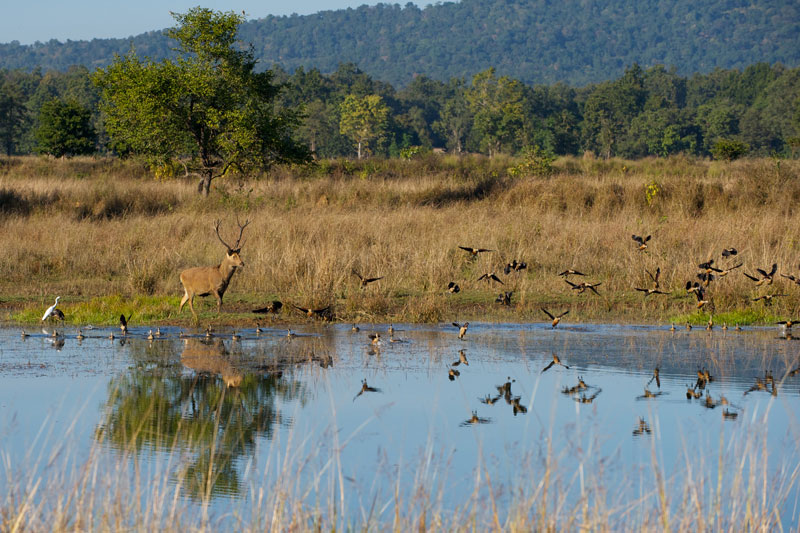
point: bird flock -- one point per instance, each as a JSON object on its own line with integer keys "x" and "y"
{"x": 710, "y": 272}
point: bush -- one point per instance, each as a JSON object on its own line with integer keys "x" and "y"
{"x": 536, "y": 162}
{"x": 729, "y": 149}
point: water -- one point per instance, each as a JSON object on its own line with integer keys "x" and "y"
{"x": 217, "y": 419}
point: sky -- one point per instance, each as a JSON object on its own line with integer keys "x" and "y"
{"x": 28, "y": 21}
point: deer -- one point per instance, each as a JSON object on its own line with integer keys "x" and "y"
{"x": 202, "y": 281}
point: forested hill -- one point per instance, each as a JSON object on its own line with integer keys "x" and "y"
{"x": 536, "y": 41}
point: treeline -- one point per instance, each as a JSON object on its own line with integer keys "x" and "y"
{"x": 645, "y": 112}
{"x": 538, "y": 42}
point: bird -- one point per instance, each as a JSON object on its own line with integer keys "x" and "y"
{"x": 730, "y": 415}
{"x": 475, "y": 251}
{"x": 728, "y": 252}
{"x": 556, "y": 319}
{"x": 504, "y": 298}
{"x": 725, "y": 271}
{"x": 51, "y": 310}
{"x": 641, "y": 428}
{"x": 642, "y": 241}
{"x": 311, "y": 313}
{"x": 556, "y": 361}
{"x": 518, "y": 407}
{"x": 787, "y": 324}
{"x": 764, "y": 276}
{"x": 236, "y": 336}
{"x": 588, "y": 399}
{"x": 290, "y": 335}
{"x": 672, "y": 327}
{"x": 489, "y": 399}
{"x": 582, "y": 286}
{"x": 571, "y": 272}
{"x": 648, "y": 394}
{"x": 80, "y": 336}
{"x": 475, "y": 419}
{"x": 767, "y": 298}
{"x": 258, "y": 329}
{"x": 452, "y": 374}
{"x": 514, "y": 266}
{"x": 365, "y": 281}
{"x": 375, "y": 338}
{"x": 648, "y": 292}
{"x": 158, "y": 332}
{"x": 272, "y": 307}
{"x": 462, "y": 359}
{"x": 365, "y": 388}
{"x": 355, "y": 329}
{"x": 123, "y": 323}
{"x": 150, "y": 335}
{"x": 489, "y": 277}
{"x": 655, "y": 377}
{"x": 654, "y": 276}
{"x": 453, "y": 287}
{"x": 462, "y": 329}
{"x": 505, "y": 389}
{"x": 24, "y": 335}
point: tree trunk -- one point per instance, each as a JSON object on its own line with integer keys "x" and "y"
{"x": 359, "y": 149}
{"x": 205, "y": 184}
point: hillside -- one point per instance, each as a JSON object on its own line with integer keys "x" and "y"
{"x": 535, "y": 41}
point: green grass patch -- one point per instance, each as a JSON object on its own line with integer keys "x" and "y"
{"x": 743, "y": 317}
{"x": 105, "y": 310}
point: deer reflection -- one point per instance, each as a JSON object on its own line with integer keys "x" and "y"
{"x": 210, "y": 357}
{"x": 213, "y": 418}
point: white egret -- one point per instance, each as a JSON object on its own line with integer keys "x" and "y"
{"x": 51, "y": 310}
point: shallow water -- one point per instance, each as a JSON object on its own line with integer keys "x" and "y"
{"x": 217, "y": 419}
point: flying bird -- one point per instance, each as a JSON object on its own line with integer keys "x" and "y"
{"x": 489, "y": 277}
{"x": 453, "y": 287}
{"x": 764, "y": 276}
{"x": 474, "y": 251}
{"x": 365, "y": 281}
{"x": 462, "y": 329}
{"x": 365, "y": 388}
{"x": 272, "y": 307}
{"x": 642, "y": 241}
{"x": 556, "y": 319}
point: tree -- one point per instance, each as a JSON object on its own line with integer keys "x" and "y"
{"x": 65, "y": 129}
{"x": 729, "y": 149}
{"x": 363, "y": 120}
{"x": 208, "y": 109}
{"x": 497, "y": 105}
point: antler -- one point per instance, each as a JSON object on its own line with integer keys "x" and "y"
{"x": 239, "y": 243}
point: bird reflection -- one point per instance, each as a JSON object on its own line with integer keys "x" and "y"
{"x": 462, "y": 359}
{"x": 518, "y": 407}
{"x": 365, "y": 388}
{"x": 490, "y": 400}
{"x": 642, "y": 428}
{"x": 555, "y": 361}
{"x": 475, "y": 419}
{"x": 648, "y": 394}
{"x": 583, "y": 398}
{"x": 452, "y": 374}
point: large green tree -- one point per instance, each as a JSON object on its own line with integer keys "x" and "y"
{"x": 65, "y": 129}
{"x": 363, "y": 120}
{"x": 208, "y": 109}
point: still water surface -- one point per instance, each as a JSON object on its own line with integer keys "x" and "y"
{"x": 353, "y": 425}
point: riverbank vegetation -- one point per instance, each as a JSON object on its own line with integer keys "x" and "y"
{"x": 101, "y": 232}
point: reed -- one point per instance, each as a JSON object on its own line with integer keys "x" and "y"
{"x": 87, "y": 228}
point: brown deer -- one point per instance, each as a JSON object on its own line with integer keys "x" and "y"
{"x": 202, "y": 281}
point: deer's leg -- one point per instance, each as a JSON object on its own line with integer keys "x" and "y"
{"x": 184, "y": 300}
{"x": 219, "y": 301}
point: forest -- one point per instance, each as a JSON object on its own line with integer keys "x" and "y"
{"x": 577, "y": 42}
{"x": 644, "y": 112}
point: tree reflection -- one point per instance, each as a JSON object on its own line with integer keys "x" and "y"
{"x": 211, "y": 417}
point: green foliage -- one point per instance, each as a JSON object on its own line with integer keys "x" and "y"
{"x": 729, "y": 149}
{"x": 524, "y": 39}
{"x": 65, "y": 129}
{"x": 363, "y": 120}
{"x": 651, "y": 192}
{"x": 535, "y": 162}
{"x": 208, "y": 107}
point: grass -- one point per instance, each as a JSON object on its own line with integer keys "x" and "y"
{"x": 104, "y": 231}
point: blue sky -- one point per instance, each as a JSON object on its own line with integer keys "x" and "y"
{"x": 42, "y": 20}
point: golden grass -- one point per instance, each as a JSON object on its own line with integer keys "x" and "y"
{"x": 84, "y": 228}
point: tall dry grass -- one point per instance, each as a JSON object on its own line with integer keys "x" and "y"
{"x": 83, "y": 228}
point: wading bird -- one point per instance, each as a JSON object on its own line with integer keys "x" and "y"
{"x": 51, "y": 311}
{"x": 123, "y": 323}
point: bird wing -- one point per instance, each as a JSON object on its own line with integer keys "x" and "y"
{"x": 562, "y": 314}
{"x": 749, "y": 276}
{"x": 456, "y": 324}
{"x": 548, "y": 313}
{"x": 637, "y": 239}
{"x": 468, "y": 249}
{"x": 774, "y": 269}
{"x": 545, "y": 369}
{"x": 762, "y": 272}
{"x": 303, "y": 309}
{"x": 370, "y": 280}
{"x": 494, "y": 277}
